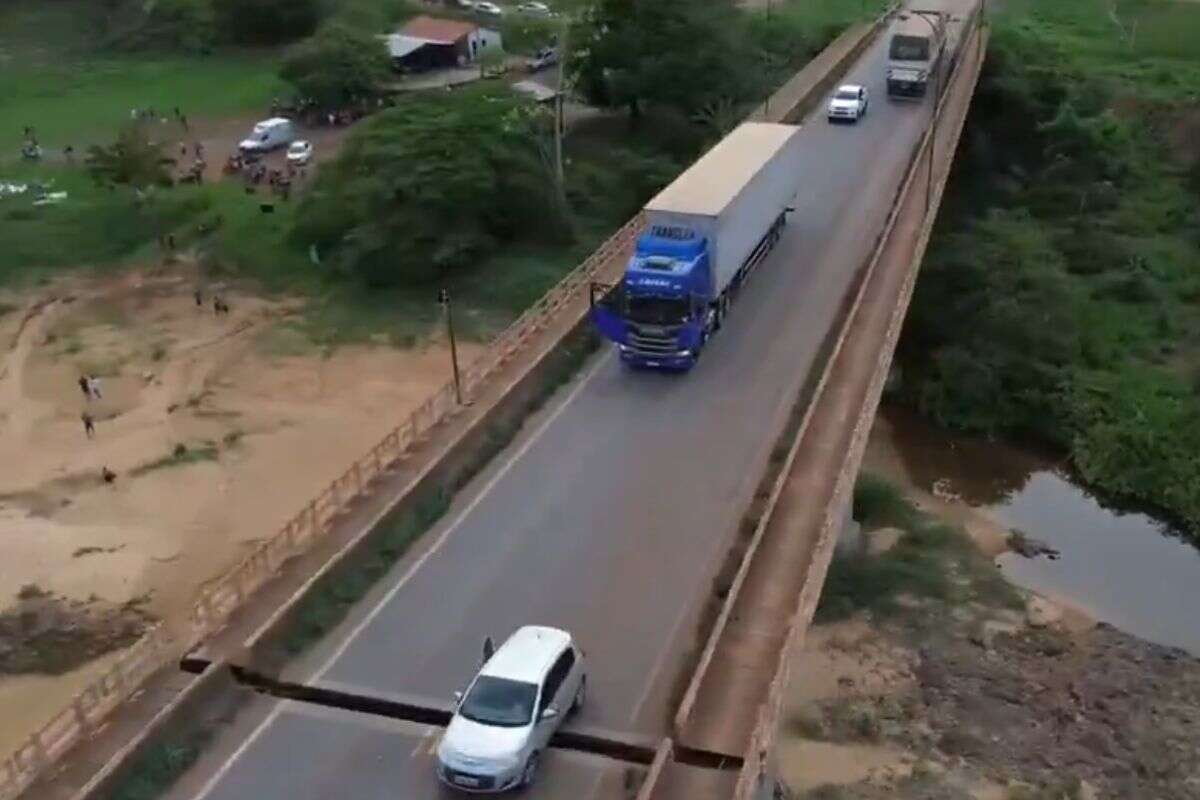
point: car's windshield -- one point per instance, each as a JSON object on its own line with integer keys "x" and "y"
{"x": 846, "y": 94}
{"x": 657, "y": 310}
{"x": 499, "y": 701}
{"x": 298, "y": 147}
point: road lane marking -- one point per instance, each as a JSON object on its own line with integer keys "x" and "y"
{"x": 240, "y": 751}
{"x": 458, "y": 519}
{"x": 424, "y": 745}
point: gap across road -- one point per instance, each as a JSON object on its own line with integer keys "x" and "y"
{"x": 608, "y": 516}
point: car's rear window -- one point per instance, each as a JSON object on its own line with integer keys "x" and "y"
{"x": 499, "y": 701}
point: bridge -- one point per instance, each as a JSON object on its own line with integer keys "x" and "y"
{"x": 632, "y": 510}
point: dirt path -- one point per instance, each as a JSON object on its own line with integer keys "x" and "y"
{"x": 262, "y": 432}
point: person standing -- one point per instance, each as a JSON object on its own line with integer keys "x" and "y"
{"x": 89, "y": 425}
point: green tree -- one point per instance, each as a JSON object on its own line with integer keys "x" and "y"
{"x": 267, "y": 21}
{"x": 337, "y": 64}
{"x": 426, "y": 186}
{"x": 681, "y": 54}
{"x": 133, "y": 159}
{"x": 176, "y": 24}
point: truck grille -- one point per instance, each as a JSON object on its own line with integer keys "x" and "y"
{"x": 653, "y": 341}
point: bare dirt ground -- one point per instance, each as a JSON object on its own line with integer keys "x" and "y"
{"x": 984, "y": 701}
{"x": 218, "y": 429}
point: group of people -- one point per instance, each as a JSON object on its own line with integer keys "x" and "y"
{"x": 30, "y": 149}
{"x": 89, "y": 384}
{"x": 255, "y": 172}
{"x": 314, "y": 114}
{"x": 220, "y": 307}
{"x": 150, "y": 115}
{"x": 194, "y": 173}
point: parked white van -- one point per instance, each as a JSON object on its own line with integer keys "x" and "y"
{"x": 268, "y": 135}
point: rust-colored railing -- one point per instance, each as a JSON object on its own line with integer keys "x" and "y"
{"x": 219, "y": 600}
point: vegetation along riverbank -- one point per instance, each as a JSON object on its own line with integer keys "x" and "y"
{"x": 1059, "y": 300}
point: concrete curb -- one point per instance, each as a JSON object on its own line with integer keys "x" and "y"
{"x": 518, "y": 398}
{"x": 762, "y": 737}
{"x": 850, "y": 44}
{"x": 209, "y": 695}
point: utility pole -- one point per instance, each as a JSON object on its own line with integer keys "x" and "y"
{"x": 444, "y": 300}
{"x": 767, "y": 105}
{"x": 559, "y": 121}
{"x": 932, "y": 137}
{"x": 933, "y": 112}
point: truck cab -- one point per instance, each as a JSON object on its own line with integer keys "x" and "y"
{"x": 659, "y": 314}
{"x": 914, "y": 52}
{"x": 705, "y": 233}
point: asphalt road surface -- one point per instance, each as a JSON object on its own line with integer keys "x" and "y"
{"x": 321, "y": 753}
{"x": 610, "y": 513}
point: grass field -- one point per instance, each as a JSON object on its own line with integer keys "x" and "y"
{"x": 56, "y": 80}
{"x": 71, "y": 92}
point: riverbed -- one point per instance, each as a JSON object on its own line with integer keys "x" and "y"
{"x": 1126, "y": 569}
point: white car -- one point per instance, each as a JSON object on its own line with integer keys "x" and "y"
{"x": 503, "y": 722}
{"x": 540, "y": 9}
{"x": 491, "y": 9}
{"x": 849, "y": 102}
{"x": 546, "y": 57}
{"x": 300, "y": 153}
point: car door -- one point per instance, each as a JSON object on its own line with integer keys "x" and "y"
{"x": 573, "y": 677}
{"x": 550, "y": 697}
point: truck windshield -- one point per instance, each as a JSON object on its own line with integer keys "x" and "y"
{"x": 657, "y": 310}
{"x": 909, "y": 48}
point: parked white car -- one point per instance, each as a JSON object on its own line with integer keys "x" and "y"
{"x": 300, "y": 153}
{"x": 504, "y": 720}
{"x": 849, "y": 102}
{"x": 270, "y": 134}
{"x": 491, "y": 9}
{"x": 540, "y": 9}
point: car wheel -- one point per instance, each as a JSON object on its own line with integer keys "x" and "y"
{"x": 530, "y": 770}
{"x": 580, "y": 695}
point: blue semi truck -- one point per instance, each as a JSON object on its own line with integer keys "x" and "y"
{"x": 704, "y": 234}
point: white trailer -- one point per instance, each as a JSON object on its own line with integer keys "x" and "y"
{"x": 735, "y": 195}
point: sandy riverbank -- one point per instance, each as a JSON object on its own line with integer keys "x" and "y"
{"x": 264, "y": 424}
{"x": 986, "y": 693}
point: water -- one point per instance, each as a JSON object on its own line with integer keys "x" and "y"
{"x": 1127, "y": 569}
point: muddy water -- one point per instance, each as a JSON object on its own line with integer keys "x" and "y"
{"x": 1126, "y": 569}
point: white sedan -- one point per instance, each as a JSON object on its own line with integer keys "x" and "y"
{"x": 848, "y": 103}
{"x": 491, "y": 9}
{"x": 540, "y": 9}
{"x": 299, "y": 153}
